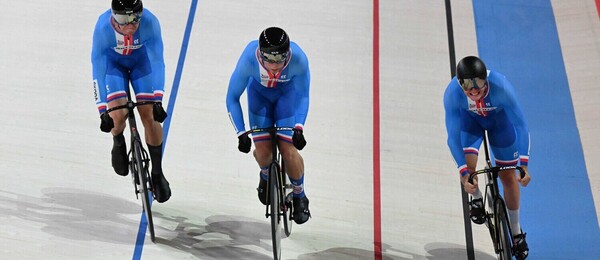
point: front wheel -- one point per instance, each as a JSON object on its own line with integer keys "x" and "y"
{"x": 502, "y": 225}
{"x": 143, "y": 187}
{"x": 274, "y": 195}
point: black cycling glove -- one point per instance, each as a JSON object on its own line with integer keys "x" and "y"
{"x": 298, "y": 139}
{"x": 106, "y": 122}
{"x": 159, "y": 112}
{"x": 244, "y": 143}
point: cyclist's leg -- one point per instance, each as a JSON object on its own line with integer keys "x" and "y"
{"x": 152, "y": 129}
{"x": 262, "y": 154}
{"x": 116, "y": 81}
{"x": 294, "y": 164}
{"x": 285, "y": 117}
{"x": 503, "y": 142}
{"x": 261, "y": 116}
{"x": 148, "y": 85}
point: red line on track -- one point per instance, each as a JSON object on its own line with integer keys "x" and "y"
{"x": 376, "y": 137}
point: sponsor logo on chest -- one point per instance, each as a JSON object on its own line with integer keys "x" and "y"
{"x": 481, "y": 107}
{"x": 126, "y": 44}
{"x": 270, "y": 80}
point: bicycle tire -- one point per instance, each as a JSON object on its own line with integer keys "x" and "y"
{"x": 274, "y": 197}
{"x": 504, "y": 240}
{"x": 143, "y": 187}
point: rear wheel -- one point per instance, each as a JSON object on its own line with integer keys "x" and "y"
{"x": 286, "y": 206}
{"x": 274, "y": 197}
{"x": 490, "y": 217}
{"x": 287, "y": 215}
{"x": 144, "y": 186}
{"x": 504, "y": 244}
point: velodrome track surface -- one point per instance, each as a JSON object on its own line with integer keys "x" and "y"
{"x": 59, "y": 198}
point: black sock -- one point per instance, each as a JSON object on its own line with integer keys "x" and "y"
{"x": 156, "y": 158}
{"x": 119, "y": 140}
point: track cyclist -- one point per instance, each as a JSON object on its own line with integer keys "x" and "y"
{"x": 275, "y": 72}
{"x": 479, "y": 100}
{"x": 127, "y": 47}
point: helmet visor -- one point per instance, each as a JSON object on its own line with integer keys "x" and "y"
{"x": 274, "y": 58}
{"x": 125, "y": 19}
{"x": 474, "y": 83}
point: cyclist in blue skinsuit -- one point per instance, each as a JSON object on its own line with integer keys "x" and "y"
{"x": 127, "y": 48}
{"x": 275, "y": 72}
{"x": 475, "y": 100}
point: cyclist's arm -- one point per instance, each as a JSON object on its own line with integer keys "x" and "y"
{"x": 98, "y": 59}
{"x": 237, "y": 85}
{"x": 516, "y": 116}
{"x": 452, "y": 114}
{"x": 302, "y": 84}
{"x": 155, "y": 49}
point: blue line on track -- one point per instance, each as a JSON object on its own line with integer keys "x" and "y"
{"x": 139, "y": 244}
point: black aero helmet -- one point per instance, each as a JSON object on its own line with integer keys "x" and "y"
{"x": 126, "y": 6}
{"x": 470, "y": 67}
{"x": 471, "y": 73}
{"x": 127, "y": 11}
{"x": 274, "y": 44}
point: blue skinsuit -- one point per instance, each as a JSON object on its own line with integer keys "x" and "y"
{"x": 273, "y": 100}
{"x": 498, "y": 112}
{"x": 118, "y": 59}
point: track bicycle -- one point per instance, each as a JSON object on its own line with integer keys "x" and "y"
{"x": 496, "y": 217}
{"x": 139, "y": 162}
{"x": 280, "y": 202}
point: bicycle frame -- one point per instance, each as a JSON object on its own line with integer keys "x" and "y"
{"x": 277, "y": 184}
{"x": 496, "y": 216}
{"x": 139, "y": 161}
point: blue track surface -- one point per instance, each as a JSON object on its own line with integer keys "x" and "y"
{"x": 520, "y": 40}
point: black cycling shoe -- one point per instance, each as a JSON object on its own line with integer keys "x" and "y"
{"x": 161, "y": 189}
{"x": 262, "y": 191}
{"x": 301, "y": 213}
{"x": 477, "y": 212}
{"x": 520, "y": 248}
{"x": 120, "y": 162}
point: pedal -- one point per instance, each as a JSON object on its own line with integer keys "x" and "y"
{"x": 288, "y": 200}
